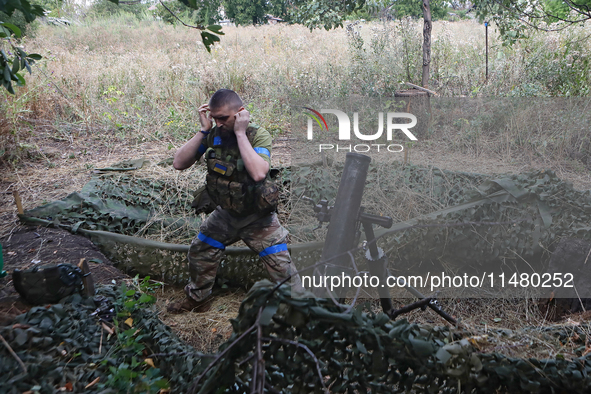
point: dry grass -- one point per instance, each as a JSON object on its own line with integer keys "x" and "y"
{"x": 204, "y": 331}
{"x": 140, "y": 81}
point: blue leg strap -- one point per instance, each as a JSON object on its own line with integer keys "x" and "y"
{"x": 273, "y": 249}
{"x": 211, "y": 241}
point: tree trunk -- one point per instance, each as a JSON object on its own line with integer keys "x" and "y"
{"x": 427, "y": 26}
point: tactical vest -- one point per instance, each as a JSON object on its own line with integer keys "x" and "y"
{"x": 228, "y": 182}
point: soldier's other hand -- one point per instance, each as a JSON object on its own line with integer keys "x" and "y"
{"x": 205, "y": 117}
{"x": 242, "y": 118}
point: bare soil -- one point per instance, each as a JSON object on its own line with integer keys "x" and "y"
{"x": 29, "y": 247}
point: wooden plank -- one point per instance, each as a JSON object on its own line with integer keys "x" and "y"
{"x": 412, "y": 85}
{"x": 88, "y": 281}
{"x": 18, "y": 202}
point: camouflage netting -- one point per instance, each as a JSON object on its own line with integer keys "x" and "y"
{"x": 124, "y": 199}
{"x": 143, "y": 223}
{"x": 538, "y": 209}
{"x": 305, "y": 344}
{"x": 64, "y": 346}
{"x": 525, "y": 215}
{"x": 543, "y": 207}
{"x": 311, "y": 343}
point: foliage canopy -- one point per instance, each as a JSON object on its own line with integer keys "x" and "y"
{"x": 328, "y": 14}
{"x": 390, "y": 9}
{"x": 515, "y": 17}
{"x": 10, "y": 67}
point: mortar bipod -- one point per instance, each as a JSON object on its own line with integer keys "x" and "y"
{"x": 375, "y": 256}
{"x": 378, "y": 260}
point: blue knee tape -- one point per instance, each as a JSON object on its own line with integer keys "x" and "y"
{"x": 273, "y": 249}
{"x": 211, "y": 241}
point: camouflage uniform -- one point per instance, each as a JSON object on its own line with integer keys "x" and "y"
{"x": 244, "y": 211}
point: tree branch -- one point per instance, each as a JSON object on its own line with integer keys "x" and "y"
{"x": 198, "y": 27}
{"x": 23, "y": 366}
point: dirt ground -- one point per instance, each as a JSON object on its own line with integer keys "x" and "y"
{"x": 29, "y": 247}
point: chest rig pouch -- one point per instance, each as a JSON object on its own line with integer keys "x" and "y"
{"x": 230, "y": 186}
{"x": 202, "y": 203}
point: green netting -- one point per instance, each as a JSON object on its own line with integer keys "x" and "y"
{"x": 308, "y": 344}
{"x": 125, "y": 202}
{"x": 303, "y": 346}
{"x": 543, "y": 210}
{"x": 439, "y": 214}
{"x": 66, "y": 344}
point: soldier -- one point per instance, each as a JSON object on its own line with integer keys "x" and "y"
{"x": 240, "y": 193}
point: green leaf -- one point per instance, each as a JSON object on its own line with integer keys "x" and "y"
{"x": 217, "y": 29}
{"x": 7, "y": 74}
{"x": 15, "y": 65}
{"x": 4, "y": 32}
{"x": 130, "y": 292}
{"x": 15, "y": 29}
{"x": 208, "y": 40}
{"x": 162, "y": 384}
{"x": 190, "y": 3}
{"x": 146, "y": 298}
{"x": 126, "y": 373}
{"x": 21, "y": 80}
{"x": 34, "y": 56}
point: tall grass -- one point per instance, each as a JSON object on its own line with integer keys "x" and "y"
{"x": 143, "y": 80}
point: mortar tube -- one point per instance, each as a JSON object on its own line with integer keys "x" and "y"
{"x": 344, "y": 216}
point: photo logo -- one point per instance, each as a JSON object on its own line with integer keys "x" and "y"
{"x": 317, "y": 117}
{"x": 393, "y": 124}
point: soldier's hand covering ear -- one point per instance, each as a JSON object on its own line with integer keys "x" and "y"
{"x": 205, "y": 117}
{"x": 242, "y": 120}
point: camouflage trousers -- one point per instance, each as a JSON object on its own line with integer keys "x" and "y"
{"x": 264, "y": 235}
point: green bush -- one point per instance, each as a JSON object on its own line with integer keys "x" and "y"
{"x": 206, "y": 15}
{"x": 558, "y": 65}
{"x": 17, "y": 18}
{"x": 104, "y": 8}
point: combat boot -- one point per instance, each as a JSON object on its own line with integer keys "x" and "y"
{"x": 190, "y": 305}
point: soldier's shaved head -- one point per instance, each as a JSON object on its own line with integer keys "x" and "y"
{"x": 225, "y": 97}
